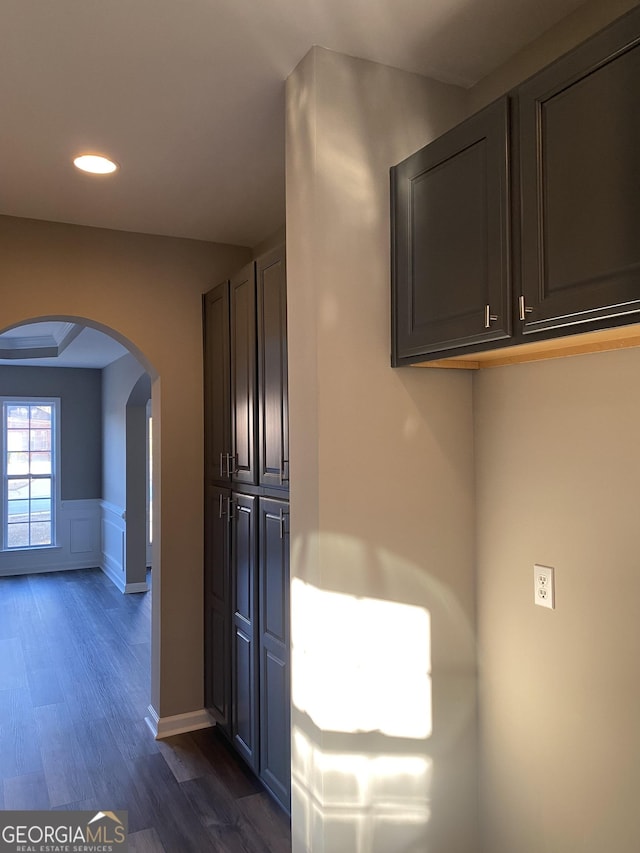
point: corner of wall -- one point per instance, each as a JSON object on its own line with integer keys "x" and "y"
{"x": 569, "y": 32}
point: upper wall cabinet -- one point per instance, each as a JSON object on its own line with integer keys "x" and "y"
{"x": 230, "y": 379}
{"x": 217, "y": 385}
{"x": 579, "y": 124}
{"x": 273, "y": 415}
{"x": 246, "y": 388}
{"x": 450, "y": 266}
{"x": 243, "y": 375}
{"x": 573, "y": 216}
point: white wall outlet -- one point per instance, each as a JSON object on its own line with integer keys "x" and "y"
{"x": 544, "y": 593}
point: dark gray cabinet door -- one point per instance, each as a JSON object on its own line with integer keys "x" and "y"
{"x": 273, "y": 415}
{"x": 246, "y": 573}
{"x": 243, "y": 375}
{"x": 450, "y": 239}
{"x": 580, "y": 184}
{"x": 244, "y": 670}
{"x": 275, "y": 730}
{"x": 217, "y": 379}
{"x": 217, "y": 591}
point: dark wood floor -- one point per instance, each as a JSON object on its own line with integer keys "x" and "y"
{"x": 74, "y": 691}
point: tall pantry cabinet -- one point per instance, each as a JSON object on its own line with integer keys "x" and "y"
{"x": 247, "y": 680}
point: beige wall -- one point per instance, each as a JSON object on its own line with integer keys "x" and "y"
{"x": 382, "y": 523}
{"x": 277, "y": 238}
{"x": 383, "y": 501}
{"x": 118, "y": 380}
{"x": 147, "y": 290}
{"x": 558, "y": 468}
{"x": 557, "y": 472}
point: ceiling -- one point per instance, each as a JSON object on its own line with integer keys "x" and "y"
{"x": 188, "y": 97}
{"x": 58, "y": 344}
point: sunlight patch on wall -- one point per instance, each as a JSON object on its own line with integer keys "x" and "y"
{"x": 362, "y": 802}
{"x": 361, "y": 664}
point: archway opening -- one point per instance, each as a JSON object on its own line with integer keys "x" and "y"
{"x": 104, "y": 384}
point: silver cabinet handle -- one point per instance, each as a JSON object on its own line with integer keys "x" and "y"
{"x": 225, "y": 465}
{"x": 489, "y": 318}
{"x": 283, "y": 530}
{"x": 221, "y": 511}
{"x": 523, "y": 308}
{"x": 283, "y": 479}
{"x": 231, "y": 468}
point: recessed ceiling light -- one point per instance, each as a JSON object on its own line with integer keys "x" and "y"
{"x": 95, "y": 164}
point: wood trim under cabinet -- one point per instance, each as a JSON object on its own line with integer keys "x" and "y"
{"x": 622, "y": 337}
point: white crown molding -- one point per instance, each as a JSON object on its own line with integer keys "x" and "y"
{"x": 50, "y": 345}
{"x": 68, "y": 333}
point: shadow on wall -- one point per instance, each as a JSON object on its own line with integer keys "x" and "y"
{"x": 381, "y": 690}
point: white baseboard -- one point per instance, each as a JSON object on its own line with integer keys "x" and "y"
{"x": 53, "y": 566}
{"x": 112, "y": 573}
{"x": 162, "y": 727}
{"x": 137, "y": 587}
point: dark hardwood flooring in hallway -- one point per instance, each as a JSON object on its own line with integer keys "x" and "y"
{"x": 74, "y": 691}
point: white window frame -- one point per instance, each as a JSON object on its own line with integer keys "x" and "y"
{"x": 17, "y": 400}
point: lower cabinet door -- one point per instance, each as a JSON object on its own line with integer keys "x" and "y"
{"x": 244, "y": 671}
{"x": 275, "y": 714}
{"x": 217, "y": 605}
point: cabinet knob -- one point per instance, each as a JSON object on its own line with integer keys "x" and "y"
{"x": 489, "y": 318}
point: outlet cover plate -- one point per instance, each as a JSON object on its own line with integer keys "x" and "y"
{"x": 544, "y": 593}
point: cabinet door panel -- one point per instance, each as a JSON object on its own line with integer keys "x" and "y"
{"x": 274, "y": 728}
{"x": 243, "y": 375}
{"x": 217, "y": 605}
{"x": 244, "y": 671}
{"x": 450, "y": 240}
{"x": 580, "y": 184}
{"x": 244, "y": 736}
{"x": 275, "y": 714}
{"x": 273, "y": 427}
{"x": 217, "y": 380}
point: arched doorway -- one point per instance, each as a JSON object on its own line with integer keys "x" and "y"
{"x": 106, "y": 527}
{"x": 146, "y": 291}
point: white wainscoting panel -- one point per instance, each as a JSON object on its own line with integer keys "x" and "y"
{"x": 113, "y": 527}
{"x": 78, "y": 546}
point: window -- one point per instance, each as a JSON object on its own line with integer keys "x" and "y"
{"x": 29, "y": 459}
